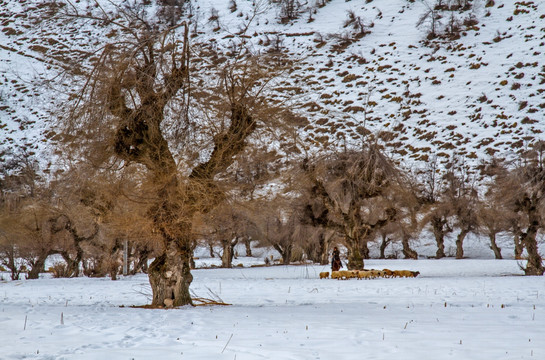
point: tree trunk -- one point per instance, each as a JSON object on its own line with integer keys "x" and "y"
{"x": 534, "y": 265}
{"x": 407, "y": 251}
{"x": 211, "y": 250}
{"x": 385, "y": 242}
{"x": 365, "y": 249}
{"x": 228, "y": 253}
{"x": 285, "y": 252}
{"x": 460, "y": 243}
{"x": 519, "y": 246}
{"x": 170, "y": 276}
{"x": 38, "y": 266}
{"x": 141, "y": 262}
{"x": 324, "y": 256}
{"x": 439, "y": 233}
{"x": 11, "y": 264}
{"x": 248, "y": 246}
{"x": 494, "y": 245}
{"x": 355, "y": 258}
{"x": 72, "y": 265}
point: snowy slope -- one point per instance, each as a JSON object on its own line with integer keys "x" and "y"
{"x": 480, "y": 95}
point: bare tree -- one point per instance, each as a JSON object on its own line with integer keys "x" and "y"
{"x": 522, "y": 190}
{"x": 493, "y": 220}
{"x": 227, "y": 225}
{"x": 351, "y": 187}
{"x": 460, "y": 194}
{"x": 277, "y": 226}
{"x": 438, "y": 211}
{"x": 432, "y": 16}
{"x": 492, "y": 216}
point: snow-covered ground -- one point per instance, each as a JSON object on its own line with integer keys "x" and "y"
{"x": 456, "y": 309}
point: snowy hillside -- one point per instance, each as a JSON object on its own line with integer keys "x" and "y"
{"x": 371, "y": 71}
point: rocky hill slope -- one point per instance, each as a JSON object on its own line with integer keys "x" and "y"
{"x": 464, "y": 78}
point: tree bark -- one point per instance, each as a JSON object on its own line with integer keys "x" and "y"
{"x": 355, "y": 258}
{"x": 141, "y": 261}
{"x": 365, "y": 249}
{"x": 170, "y": 275}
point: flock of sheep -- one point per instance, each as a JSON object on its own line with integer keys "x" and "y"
{"x": 368, "y": 274}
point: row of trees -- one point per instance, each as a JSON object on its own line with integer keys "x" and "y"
{"x": 352, "y": 198}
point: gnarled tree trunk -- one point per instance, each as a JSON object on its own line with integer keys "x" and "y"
{"x": 407, "y": 251}
{"x": 38, "y": 265}
{"x": 170, "y": 276}
{"x": 460, "y": 243}
{"x": 228, "y": 252}
{"x": 534, "y": 265}
{"x": 285, "y": 251}
{"x": 355, "y": 258}
{"x": 494, "y": 246}
{"x": 383, "y": 245}
{"x": 439, "y": 231}
{"x": 519, "y": 245}
{"x": 248, "y": 246}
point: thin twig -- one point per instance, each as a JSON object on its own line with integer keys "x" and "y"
{"x": 227, "y": 343}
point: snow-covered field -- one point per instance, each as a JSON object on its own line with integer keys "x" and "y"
{"x": 456, "y": 309}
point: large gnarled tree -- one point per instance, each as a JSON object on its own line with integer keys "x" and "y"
{"x": 181, "y": 121}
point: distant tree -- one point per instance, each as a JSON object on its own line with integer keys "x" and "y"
{"x": 10, "y": 257}
{"x": 386, "y": 239}
{"x": 351, "y": 187}
{"x": 406, "y": 195}
{"x": 313, "y": 215}
{"x": 493, "y": 220}
{"x": 289, "y": 10}
{"x": 277, "y": 226}
{"x": 461, "y": 195}
{"x": 432, "y": 17}
{"x": 492, "y": 216}
{"x": 25, "y": 209}
{"x": 438, "y": 211}
{"x": 227, "y": 225}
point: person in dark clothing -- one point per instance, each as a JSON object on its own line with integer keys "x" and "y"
{"x": 336, "y": 260}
